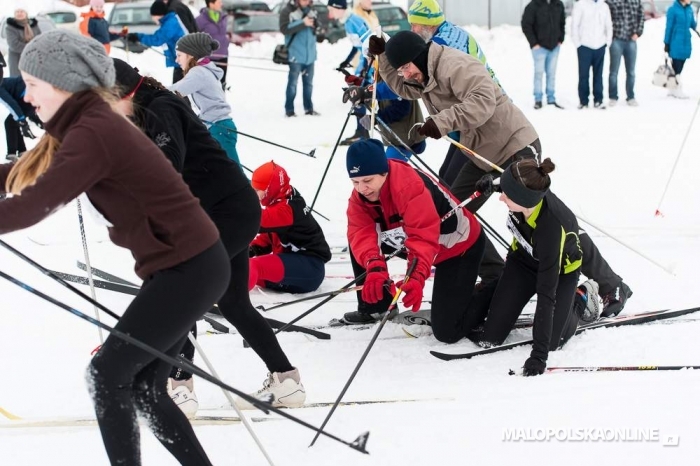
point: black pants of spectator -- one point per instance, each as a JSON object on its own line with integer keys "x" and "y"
{"x": 124, "y": 379}
{"x": 238, "y": 219}
{"x": 13, "y": 135}
{"x": 515, "y": 288}
{"x": 587, "y": 59}
{"x": 178, "y": 74}
{"x": 222, "y": 63}
{"x": 464, "y": 186}
{"x": 677, "y": 66}
{"x": 596, "y": 267}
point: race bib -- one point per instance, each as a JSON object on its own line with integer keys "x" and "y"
{"x": 395, "y": 237}
{"x": 518, "y": 236}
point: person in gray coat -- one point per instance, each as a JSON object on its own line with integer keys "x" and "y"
{"x": 20, "y": 30}
{"x": 298, "y": 24}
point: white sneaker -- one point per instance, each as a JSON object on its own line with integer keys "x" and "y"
{"x": 633, "y": 103}
{"x": 612, "y": 102}
{"x": 182, "y": 393}
{"x": 285, "y": 388}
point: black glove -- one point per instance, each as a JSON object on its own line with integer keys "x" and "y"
{"x": 255, "y": 250}
{"x": 132, "y": 37}
{"x": 534, "y": 366}
{"x": 345, "y": 64}
{"x": 35, "y": 119}
{"x": 667, "y": 48}
{"x": 26, "y": 131}
{"x": 357, "y": 95}
{"x": 430, "y": 129}
{"x": 486, "y": 186}
{"x": 376, "y": 45}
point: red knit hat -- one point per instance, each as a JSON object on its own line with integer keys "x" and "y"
{"x": 262, "y": 176}
{"x": 272, "y": 179}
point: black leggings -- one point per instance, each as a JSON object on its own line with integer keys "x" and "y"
{"x": 677, "y": 66}
{"x": 238, "y": 219}
{"x": 124, "y": 380}
{"x": 13, "y": 135}
{"x": 515, "y": 288}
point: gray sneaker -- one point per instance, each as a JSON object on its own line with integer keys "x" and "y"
{"x": 612, "y": 102}
{"x": 633, "y": 103}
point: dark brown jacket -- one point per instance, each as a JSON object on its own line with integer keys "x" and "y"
{"x": 125, "y": 177}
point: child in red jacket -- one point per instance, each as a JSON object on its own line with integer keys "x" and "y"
{"x": 290, "y": 252}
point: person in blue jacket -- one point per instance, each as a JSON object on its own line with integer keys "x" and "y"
{"x": 170, "y": 31}
{"x": 12, "y": 92}
{"x": 298, "y": 24}
{"x": 679, "y": 21}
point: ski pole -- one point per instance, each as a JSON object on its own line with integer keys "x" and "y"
{"x": 358, "y": 444}
{"x": 308, "y": 298}
{"x": 362, "y": 275}
{"x": 393, "y": 304}
{"x": 328, "y": 165}
{"x": 675, "y": 163}
{"x": 308, "y": 154}
{"x": 373, "y": 115}
{"x": 230, "y": 399}
{"x": 91, "y": 283}
{"x": 620, "y": 368}
{"x": 639, "y": 253}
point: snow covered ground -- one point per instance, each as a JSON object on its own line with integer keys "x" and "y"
{"x": 612, "y": 167}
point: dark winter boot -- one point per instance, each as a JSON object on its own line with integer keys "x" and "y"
{"x": 614, "y": 302}
{"x": 369, "y": 313}
{"x": 538, "y": 105}
{"x": 359, "y": 134}
{"x": 555, "y": 104}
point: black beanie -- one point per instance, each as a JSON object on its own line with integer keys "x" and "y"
{"x": 127, "y": 77}
{"x": 159, "y": 8}
{"x": 404, "y": 47}
{"x": 366, "y": 157}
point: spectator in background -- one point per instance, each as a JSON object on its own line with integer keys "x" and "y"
{"x": 591, "y": 32}
{"x": 628, "y": 25}
{"x": 298, "y": 24}
{"x": 212, "y": 20}
{"x": 96, "y": 26}
{"x": 170, "y": 31}
{"x": 543, "y": 23}
{"x": 12, "y": 92}
{"x": 184, "y": 13}
{"x": 677, "y": 44}
{"x": 19, "y": 31}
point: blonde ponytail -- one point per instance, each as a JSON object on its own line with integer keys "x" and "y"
{"x": 32, "y": 165}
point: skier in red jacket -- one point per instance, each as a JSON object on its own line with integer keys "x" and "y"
{"x": 397, "y": 206}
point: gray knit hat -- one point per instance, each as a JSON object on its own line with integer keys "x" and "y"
{"x": 68, "y": 61}
{"x": 197, "y": 44}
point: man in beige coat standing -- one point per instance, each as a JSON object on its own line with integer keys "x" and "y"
{"x": 460, "y": 95}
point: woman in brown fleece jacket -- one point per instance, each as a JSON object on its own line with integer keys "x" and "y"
{"x": 88, "y": 148}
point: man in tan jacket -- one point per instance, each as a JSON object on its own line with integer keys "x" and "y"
{"x": 460, "y": 95}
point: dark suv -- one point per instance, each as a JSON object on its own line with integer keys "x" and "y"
{"x": 137, "y": 17}
{"x": 391, "y": 17}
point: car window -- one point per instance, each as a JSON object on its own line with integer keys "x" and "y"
{"x": 257, "y": 23}
{"x": 387, "y": 15}
{"x": 62, "y": 17}
{"x": 131, "y": 16}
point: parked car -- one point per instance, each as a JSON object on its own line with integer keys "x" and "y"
{"x": 392, "y": 18}
{"x": 250, "y": 26}
{"x": 330, "y": 30}
{"x": 234, "y": 6}
{"x": 69, "y": 20}
{"x": 657, "y": 8}
{"x": 137, "y": 17}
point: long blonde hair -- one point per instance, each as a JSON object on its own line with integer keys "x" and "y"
{"x": 36, "y": 161}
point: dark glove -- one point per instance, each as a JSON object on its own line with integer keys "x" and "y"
{"x": 132, "y": 37}
{"x": 357, "y": 95}
{"x": 430, "y": 129}
{"x": 345, "y": 64}
{"x": 255, "y": 250}
{"x": 534, "y": 366}
{"x": 376, "y": 45}
{"x": 667, "y": 48}
{"x": 37, "y": 121}
{"x": 353, "y": 80}
{"x": 376, "y": 281}
{"x": 486, "y": 186}
{"x": 413, "y": 292}
{"x": 26, "y": 130}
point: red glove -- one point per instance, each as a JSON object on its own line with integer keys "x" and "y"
{"x": 353, "y": 80}
{"x": 376, "y": 281}
{"x": 413, "y": 292}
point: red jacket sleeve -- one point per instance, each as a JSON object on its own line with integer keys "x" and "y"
{"x": 277, "y": 215}
{"x": 362, "y": 231}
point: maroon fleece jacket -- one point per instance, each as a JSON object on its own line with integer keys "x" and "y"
{"x": 126, "y": 178}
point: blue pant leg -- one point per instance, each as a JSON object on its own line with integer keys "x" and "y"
{"x": 224, "y": 131}
{"x": 307, "y": 82}
{"x": 550, "y": 66}
{"x": 292, "y": 78}
{"x": 615, "y": 57}
{"x": 302, "y": 273}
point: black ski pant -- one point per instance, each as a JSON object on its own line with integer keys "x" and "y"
{"x": 124, "y": 379}
{"x": 596, "y": 267}
{"x": 464, "y": 186}
{"x": 13, "y": 136}
{"x": 238, "y": 219}
{"x": 515, "y": 288}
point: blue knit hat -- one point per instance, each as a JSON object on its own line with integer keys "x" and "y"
{"x": 366, "y": 157}
{"x": 340, "y": 4}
